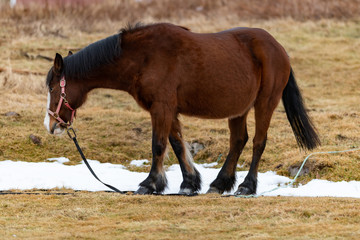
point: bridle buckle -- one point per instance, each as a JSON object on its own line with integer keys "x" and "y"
{"x": 62, "y": 82}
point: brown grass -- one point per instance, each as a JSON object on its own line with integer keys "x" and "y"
{"x": 113, "y": 216}
{"x": 169, "y": 9}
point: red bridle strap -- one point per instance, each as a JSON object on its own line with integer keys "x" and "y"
{"x": 61, "y": 101}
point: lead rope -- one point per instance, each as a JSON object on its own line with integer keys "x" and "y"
{"x": 71, "y": 133}
{"x": 298, "y": 173}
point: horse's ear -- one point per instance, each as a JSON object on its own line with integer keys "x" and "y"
{"x": 58, "y": 64}
{"x": 70, "y": 53}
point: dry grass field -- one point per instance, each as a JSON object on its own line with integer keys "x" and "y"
{"x": 322, "y": 39}
{"x": 113, "y": 216}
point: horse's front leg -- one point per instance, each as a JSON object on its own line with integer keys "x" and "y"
{"x": 192, "y": 180}
{"x": 161, "y": 118}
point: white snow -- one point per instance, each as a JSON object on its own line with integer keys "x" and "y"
{"x": 59, "y": 160}
{"x": 139, "y": 163}
{"x": 213, "y": 164}
{"x": 54, "y": 174}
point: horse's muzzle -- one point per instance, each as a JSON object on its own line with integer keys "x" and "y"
{"x": 57, "y": 129}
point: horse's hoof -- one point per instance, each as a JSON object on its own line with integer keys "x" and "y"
{"x": 143, "y": 191}
{"x": 243, "y": 191}
{"x": 214, "y": 190}
{"x": 187, "y": 192}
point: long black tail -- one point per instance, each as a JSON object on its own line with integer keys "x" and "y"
{"x": 300, "y": 122}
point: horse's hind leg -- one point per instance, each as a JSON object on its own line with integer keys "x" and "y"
{"x": 192, "y": 180}
{"x": 238, "y": 138}
{"x": 264, "y": 109}
{"x": 161, "y": 118}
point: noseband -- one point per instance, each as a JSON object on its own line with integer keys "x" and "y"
{"x": 63, "y": 100}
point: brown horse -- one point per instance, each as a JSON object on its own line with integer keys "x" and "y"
{"x": 170, "y": 70}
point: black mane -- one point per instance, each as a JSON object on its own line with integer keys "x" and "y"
{"x": 102, "y": 52}
{"x": 130, "y": 28}
{"x": 96, "y": 54}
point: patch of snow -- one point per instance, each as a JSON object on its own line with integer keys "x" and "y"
{"x": 47, "y": 175}
{"x": 208, "y": 165}
{"x": 59, "y": 160}
{"x": 139, "y": 163}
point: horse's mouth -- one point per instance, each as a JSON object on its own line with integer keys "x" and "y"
{"x": 57, "y": 129}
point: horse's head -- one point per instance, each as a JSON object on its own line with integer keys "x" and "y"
{"x": 62, "y": 99}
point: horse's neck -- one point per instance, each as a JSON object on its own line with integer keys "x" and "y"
{"x": 112, "y": 76}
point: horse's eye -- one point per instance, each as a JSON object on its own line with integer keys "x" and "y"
{"x": 50, "y": 89}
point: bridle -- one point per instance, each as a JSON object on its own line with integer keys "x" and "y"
{"x": 66, "y": 103}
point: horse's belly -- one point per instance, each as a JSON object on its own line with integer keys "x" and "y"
{"x": 215, "y": 107}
